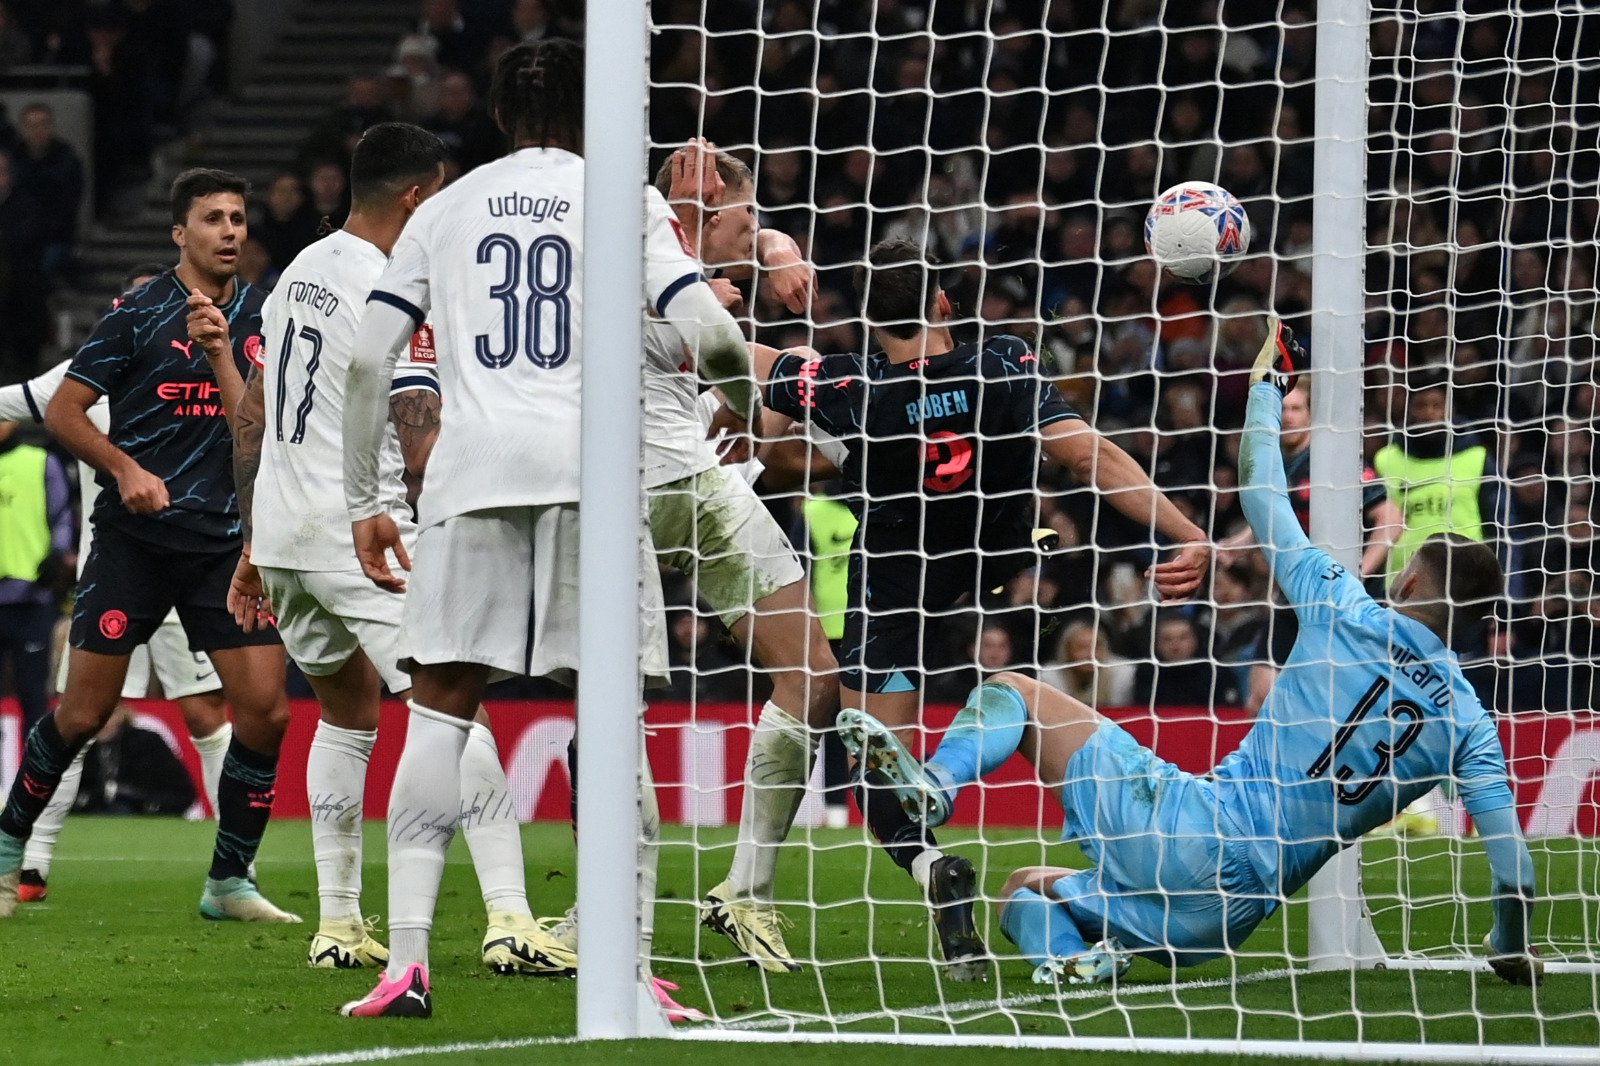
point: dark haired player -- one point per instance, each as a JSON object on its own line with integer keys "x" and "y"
{"x": 1371, "y": 711}
{"x": 187, "y": 677}
{"x": 341, "y": 631}
{"x": 943, "y": 444}
{"x": 494, "y": 262}
{"x": 166, "y": 535}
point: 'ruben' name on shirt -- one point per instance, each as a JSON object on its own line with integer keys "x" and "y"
{"x": 536, "y": 208}
{"x": 937, "y": 405}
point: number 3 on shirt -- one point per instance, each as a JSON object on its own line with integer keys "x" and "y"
{"x": 544, "y": 323}
{"x": 949, "y": 462}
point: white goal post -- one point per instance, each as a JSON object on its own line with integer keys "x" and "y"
{"x": 1339, "y": 932}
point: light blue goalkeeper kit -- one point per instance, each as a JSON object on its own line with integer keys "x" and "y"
{"x": 1370, "y": 712}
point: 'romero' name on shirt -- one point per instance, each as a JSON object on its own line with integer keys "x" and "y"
{"x": 536, "y": 208}
{"x": 937, "y": 405}
{"x": 314, "y": 296}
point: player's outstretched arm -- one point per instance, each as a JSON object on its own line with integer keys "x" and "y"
{"x": 1511, "y": 872}
{"x": 383, "y": 331}
{"x": 26, "y": 400}
{"x": 1096, "y": 461}
{"x": 67, "y": 419}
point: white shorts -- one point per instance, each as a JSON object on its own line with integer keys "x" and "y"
{"x": 325, "y": 616}
{"x": 500, "y": 587}
{"x": 714, "y": 528}
{"x": 181, "y": 672}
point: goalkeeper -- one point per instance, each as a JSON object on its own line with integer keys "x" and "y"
{"x": 1370, "y": 712}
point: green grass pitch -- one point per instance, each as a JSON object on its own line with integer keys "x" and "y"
{"x": 117, "y": 967}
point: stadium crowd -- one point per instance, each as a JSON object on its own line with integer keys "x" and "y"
{"x": 1022, "y": 142}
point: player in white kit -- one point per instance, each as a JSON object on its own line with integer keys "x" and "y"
{"x": 341, "y": 631}
{"x": 708, "y": 522}
{"x": 186, "y": 677}
{"x": 495, "y": 262}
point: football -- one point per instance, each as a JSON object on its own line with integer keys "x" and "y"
{"x": 1197, "y": 231}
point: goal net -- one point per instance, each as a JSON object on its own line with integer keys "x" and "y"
{"x": 1420, "y": 185}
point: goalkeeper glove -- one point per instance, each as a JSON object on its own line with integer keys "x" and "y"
{"x": 1281, "y": 360}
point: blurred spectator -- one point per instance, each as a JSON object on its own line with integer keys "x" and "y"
{"x": 468, "y": 132}
{"x": 47, "y": 171}
{"x": 456, "y": 44}
{"x": 123, "y": 117}
{"x": 330, "y": 194}
{"x": 1238, "y": 623}
{"x": 287, "y": 224}
{"x": 16, "y": 47}
{"x": 255, "y": 264}
{"x": 1179, "y": 677}
{"x": 335, "y": 137}
{"x": 130, "y": 770}
{"x": 22, "y": 291}
{"x": 414, "y": 78}
{"x": 36, "y": 544}
{"x": 1439, "y": 479}
{"x": 1089, "y": 671}
{"x": 530, "y": 20}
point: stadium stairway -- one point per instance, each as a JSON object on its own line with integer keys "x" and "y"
{"x": 255, "y": 132}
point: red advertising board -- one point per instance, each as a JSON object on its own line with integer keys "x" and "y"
{"x": 697, "y": 755}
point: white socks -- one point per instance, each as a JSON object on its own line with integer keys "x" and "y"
{"x": 424, "y": 809}
{"x": 922, "y": 866}
{"x": 41, "y": 847}
{"x": 775, "y": 776}
{"x": 489, "y": 819}
{"x": 213, "y": 750}
{"x": 336, "y": 781}
{"x": 649, "y": 859}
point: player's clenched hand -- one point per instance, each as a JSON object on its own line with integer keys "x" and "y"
{"x": 208, "y": 327}
{"x": 247, "y": 599}
{"x": 1516, "y": 969}
{"x": 792, "y": 283}
{"x": 375, "y": 538}
{"x": 728, "y": 294}
{"x": 730, "y": 437}
{"x": 1180, "y": 576}
{"x": 142, "y": 492}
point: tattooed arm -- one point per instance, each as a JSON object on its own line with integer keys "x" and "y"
{"x": 247, "y": 599}
{"x": 415, "y": 414}
{"x": 250, "y": 426}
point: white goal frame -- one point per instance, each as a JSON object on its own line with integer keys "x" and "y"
{"x": 612, "y": 1002}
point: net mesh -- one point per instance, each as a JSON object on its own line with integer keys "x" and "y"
{"x": 1019, "y": 145}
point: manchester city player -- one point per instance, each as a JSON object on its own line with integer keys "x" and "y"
{"x": 942, "y": 442}
{"x": 166, "y": 535}
{"x": 1370, "y": 712}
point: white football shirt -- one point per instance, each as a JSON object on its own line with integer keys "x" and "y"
{"x": 674, "y": 430}
{"x": 495, "y": 262}
{"x": 308, "y": 330}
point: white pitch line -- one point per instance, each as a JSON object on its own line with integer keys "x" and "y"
{"x": 389, "y": 1054}
{"x": 964, "y": 1006}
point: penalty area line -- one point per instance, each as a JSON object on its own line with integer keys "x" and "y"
{"x": 789, "y": 1021}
